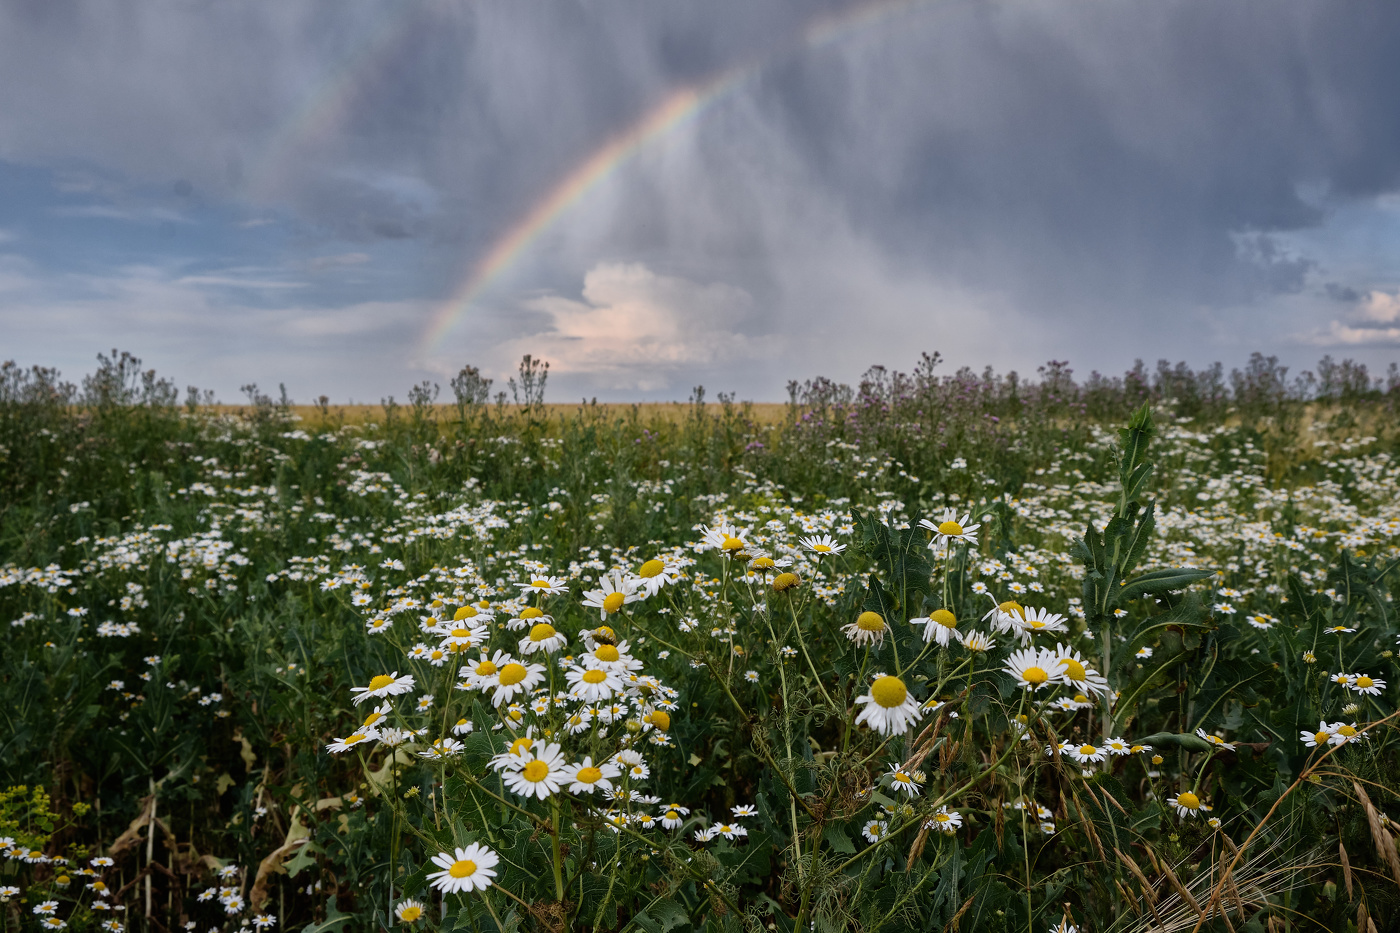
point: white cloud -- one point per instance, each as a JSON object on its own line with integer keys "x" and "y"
{"x": 1374, "y": 322}
{"x": 634, "y": 327}
{"x": 206, "y": 331}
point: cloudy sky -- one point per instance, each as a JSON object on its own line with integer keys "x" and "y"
{"x": 349, "y": 197}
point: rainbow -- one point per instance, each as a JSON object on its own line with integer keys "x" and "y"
{"x": 323, "y": 110}
{"x": 675, "y": 110}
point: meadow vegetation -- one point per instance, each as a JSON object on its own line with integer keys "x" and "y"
{"x": 932, "y": 652}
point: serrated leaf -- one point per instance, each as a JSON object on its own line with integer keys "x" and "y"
{"x": 836, "y": 837}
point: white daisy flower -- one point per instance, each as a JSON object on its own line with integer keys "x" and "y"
{"x": 359, "y": 738}
{"x": 615, "y": 590}
{"x": 482, "y": 673}
{"x": 383, "y": 685}
{"x": 464, "y": 869}
{"x": 543, "y": 637}
{"x": 1074, "y": 671}
{"x": 1186, "y": 803}
{"x": 945, "y": 821}
{"x": 907, "y": 782}
{"x": 587, "y": 778}
{"x": 874, "y": 830}
{"x": 1039, "y": 622}
{"x": 1086, "y": 753}
{"x": 516, "y": 678}
{"x": 976, "y": 641}
{"x": 1343, "y": 733}
{"x": 528, "y": 617}
{"x": 1323, "y": 736}
{"x": 1034, "y": 668}
{"x": 656, "y": 574}
{"x": 724, "y": 537}
{"x": 825, "y": 544}
{"x": 940, "y": 626}
{"x": 613, "y": 658}
{"x": 547, "y": 585}
{"x": 1363, "y": 683}
{"x": 951, "y": 529}
{"x": 443, "y": 748}
{"x": 869, "y": 628}
{"x": 409, "y": 911}
{"x": 888, "y": 707}
{"x": 540, "y": 775}
{"x": 1006, "y": 617}
{"x": 1215, "y": 740}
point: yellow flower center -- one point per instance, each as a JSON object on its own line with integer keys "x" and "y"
{"x": 542, "y": 584}
{"x": 944, "y": 618}
{"x": 821, "y": 548}
{"x": 594, "y": 677}
{"x": 63, "y": 879}
{"x": 512, "y": 674}
{"x": 410, "y": 914}
{"x": 460, "y": 632}
{"x": 535, "y": 771}
{"x": 732, "y": 544}
{"x": 380, "y": 682}
{"x": 871, "y": 622}
{"x": 650, "y": 569}
{"x": 672, "y": 815}
{"x": 901, "y": 778}
{"x": 606, "y": 653}
{"x": 372, "y": 718}
{"x": 589, "y": 775}
{"x": 522, "y": 744}
{"x": 1188, "y": 800}
{"x": 785, "y": 581}
{"x": 462, "y": 868}
{"x": 466, "y": 612}
{"x": 660, "y": 719}
{"x": 613, "y": 602}
{"x": 1035, "y": 675}
{"x": 950, "y": 528}
{"x": 356, "y": 738}
{"x": 1080, "y": 698}
{"x": 942, "y": 817}
{"x": 1087, "y": 750}
{"x": 486, "y": 669}
{"x": 1321, "y": 737}
{"x": 530, "y": 612}
{"x": 889, "y": 692}
{"x": 542, "y": 631}
{"x": 1363, "y": 682}
{"x": 1347, "y": 731}
{"x": 1073, "y": 669}
{"x": 763, "y": 563}
{"x": 1011, "y": 607}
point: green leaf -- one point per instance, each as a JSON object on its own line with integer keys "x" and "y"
{"x": 835, "y": 836}
{"x": 1157, "y": 582}
{"x": 669, "y": 915}
{"x": 301, "y": 860}
{"x": 334, "y": 919}
{"x": 1192, "y": 743}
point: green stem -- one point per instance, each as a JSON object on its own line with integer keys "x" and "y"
{"x": 558, "y": 852}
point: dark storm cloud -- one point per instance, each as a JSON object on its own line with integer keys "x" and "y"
{"x": 1049, "y": 163}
